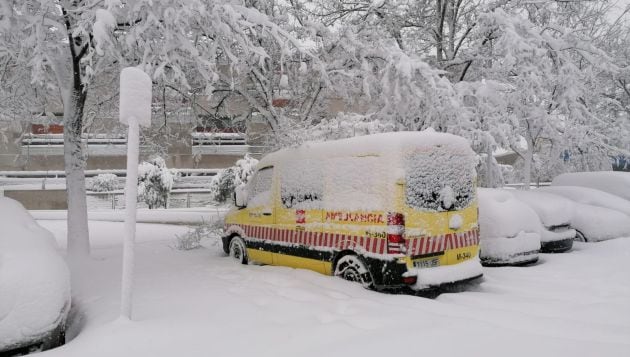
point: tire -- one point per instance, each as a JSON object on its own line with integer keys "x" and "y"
{"x": 238, "y": 249}
{"x": 350, "y": 267}
{"x": 579, "y": 237}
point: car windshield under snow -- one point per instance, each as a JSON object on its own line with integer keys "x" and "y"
{"x": 439, "y": 179}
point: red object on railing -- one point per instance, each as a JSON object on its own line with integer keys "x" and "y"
{"x": 43, "y": 129}
{"x": 280, "y": 102}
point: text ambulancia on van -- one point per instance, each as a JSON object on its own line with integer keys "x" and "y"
{"x": 388, "y": 210}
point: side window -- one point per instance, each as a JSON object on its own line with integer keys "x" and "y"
{"x": 356, "y": 183}
{"x": 260, "y": 188}
{"x": 301, "y": 184}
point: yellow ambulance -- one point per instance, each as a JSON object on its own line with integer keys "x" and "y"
{"x": 393, "y": 210}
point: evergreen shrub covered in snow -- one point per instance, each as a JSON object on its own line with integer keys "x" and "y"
{"x": 155, "y": 182}
{"x": 223, "y": 184}
{"x": 103, "y": 183}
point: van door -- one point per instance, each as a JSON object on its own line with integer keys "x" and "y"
{"x": 261, "y": 216}
{"x": 299, "y": 216}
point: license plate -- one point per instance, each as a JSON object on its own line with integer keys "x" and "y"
{"x": 426, "y": 263}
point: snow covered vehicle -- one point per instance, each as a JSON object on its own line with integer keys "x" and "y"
{"x": 614, "y": 182}
{"x": 394, "y": 210}
{"x": 597, "y": 215}
{"x": 509, "y": 229}
{"x": 555, "y": 214}
{"x": 34, "y": 284}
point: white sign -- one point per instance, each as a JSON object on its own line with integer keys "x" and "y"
{"x": 135, "y": 97}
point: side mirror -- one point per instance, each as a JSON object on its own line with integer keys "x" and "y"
{"x": 240, "y": 196}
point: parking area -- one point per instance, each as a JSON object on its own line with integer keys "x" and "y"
{"x": 199, "y": 303}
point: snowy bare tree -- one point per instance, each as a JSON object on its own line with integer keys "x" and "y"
{"x": 68, "y": 45}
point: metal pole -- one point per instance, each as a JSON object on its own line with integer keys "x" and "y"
{"x": 131, "y": 199}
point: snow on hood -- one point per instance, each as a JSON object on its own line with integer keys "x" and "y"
{"x": 503, "y": 216}
{"x": 553, "y": 210}
{"x": 34, "y": 279}
{"x": 591, "y": 196}
{"x": 599, "y": 223}
{"x": 613, "y": 182}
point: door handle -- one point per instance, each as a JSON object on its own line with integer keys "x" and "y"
{"x": 266, "y": 214}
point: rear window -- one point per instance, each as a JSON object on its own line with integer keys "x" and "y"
{"x": 439, "y": 179}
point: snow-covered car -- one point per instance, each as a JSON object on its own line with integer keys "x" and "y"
{"x": 555, "y": 213}
{"x": 590, "y": 196}
{"x": 509, "y": 229}
{"x": 613, "y": 182}
{"x": 34, "y": 284}
{"x": 597, "y": 215}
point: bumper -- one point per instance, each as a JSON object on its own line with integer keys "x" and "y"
{"x": 520, "y": 250}
{"x": 558, "y": 246}
{"x": 390, "y": 275}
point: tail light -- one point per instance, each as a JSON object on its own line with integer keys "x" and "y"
{"x": 395, "y": 233}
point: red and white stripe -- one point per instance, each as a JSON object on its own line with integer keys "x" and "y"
{"x": 415, "y": 245}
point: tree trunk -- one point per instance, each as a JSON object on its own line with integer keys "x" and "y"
{"x": 78, "y": 234}
{"x": 489, "y": 173}
{"x": 527, "y": 168}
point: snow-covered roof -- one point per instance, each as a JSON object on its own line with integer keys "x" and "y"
{"x": 384, "y": 144}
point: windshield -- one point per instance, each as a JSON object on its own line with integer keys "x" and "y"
{"x": 439, "y": 179}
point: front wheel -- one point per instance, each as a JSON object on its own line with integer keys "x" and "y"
{"x": 238, "y": 250}
{"x": 351, "y": 267}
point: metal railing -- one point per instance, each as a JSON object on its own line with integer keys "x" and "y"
{"x": 181, "y": 198}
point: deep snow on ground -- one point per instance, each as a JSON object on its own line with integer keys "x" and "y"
{"x": 200, "y": 303}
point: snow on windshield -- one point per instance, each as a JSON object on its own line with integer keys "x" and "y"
{"x": 439, "y": 179}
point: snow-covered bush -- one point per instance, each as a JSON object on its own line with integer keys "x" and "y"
{"x": 103, "y": 183}
{"x": 192, "y": 238}
{"x": 223, "y": 184}
{"x": 155, "y": 182}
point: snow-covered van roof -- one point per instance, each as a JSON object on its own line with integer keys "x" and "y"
{"x": 384, "y": 144}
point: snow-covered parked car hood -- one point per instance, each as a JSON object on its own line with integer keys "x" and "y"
{"x": 34, "y": 279}
{"x": 509, "y": 229}
{"x": 501, "y": 215}
{"x": 555, "y": 213}
{"x": 614, "y": 182}
{"x": 553, "y": 210}
{"x": 591, "y": 196}
{"x": 597, "y": 215}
